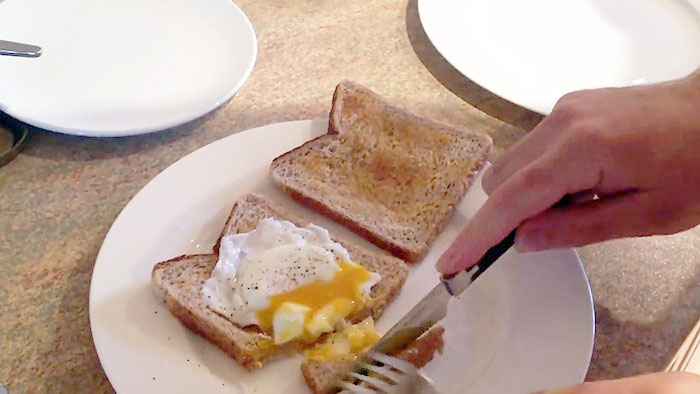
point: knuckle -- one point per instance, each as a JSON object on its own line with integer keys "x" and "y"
{"x": 577, "y": 119}
{"x": 488, "y": 182}
{"x": 579, "y": 131}
{"x": 538, "y": 175}
{"x": 586, "y": 136}
{"x": 493, "y": 177}
{"x": 566, "y": 111}
{"x": 571, "y": 97}
{"x": 571, "y": 106}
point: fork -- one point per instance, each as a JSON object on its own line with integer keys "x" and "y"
{"x": 681, "y": 361}
{"x": 388, "y": 375}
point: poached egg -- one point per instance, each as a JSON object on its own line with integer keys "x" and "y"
{"x": 291, "y": 282}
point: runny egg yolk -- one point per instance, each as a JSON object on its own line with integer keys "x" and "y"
{"x": 326, "y": 302}
{"x": 350, "y": 342}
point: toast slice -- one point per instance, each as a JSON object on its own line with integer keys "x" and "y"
{"x": 321, "y": 376}
{"x": 179, "y": 282}
{"x": 389, "y": 175}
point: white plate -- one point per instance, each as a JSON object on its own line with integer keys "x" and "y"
{"x": 533, "y": 52}
{"x": 122, "y": 67}
{"x": 525, "y": 324}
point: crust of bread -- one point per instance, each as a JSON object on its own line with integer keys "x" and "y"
{"x": 178, "y": 282}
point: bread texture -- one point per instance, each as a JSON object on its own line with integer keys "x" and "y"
{"x": 321, "y": 375}
{"x": 179, "y": 281}
{"x": 389, "y": 175}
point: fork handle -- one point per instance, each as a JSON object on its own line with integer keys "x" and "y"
{"x": 457, "y": 283}
{"x": 425, "y": 385}
{"x": 10, "y": 48}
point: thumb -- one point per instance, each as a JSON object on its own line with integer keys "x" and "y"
{"x": 626, "y": 215}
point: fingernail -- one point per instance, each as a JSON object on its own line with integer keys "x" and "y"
{"x": 531, "y": 241}
{"x": 444, "y": 262}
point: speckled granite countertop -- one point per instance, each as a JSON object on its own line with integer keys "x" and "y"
{"x": 60, "y": 196}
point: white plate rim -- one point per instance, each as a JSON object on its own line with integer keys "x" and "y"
{"x": 163, "y": 126}
{"x": 484, "y": 81}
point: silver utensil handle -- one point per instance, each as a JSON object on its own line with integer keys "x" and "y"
{"x": 10, "y": 48}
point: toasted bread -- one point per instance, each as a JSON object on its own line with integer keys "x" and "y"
{"x": 179, "y": 282}
{"x": 321, "y": 375}
{"x": 389, "y": 175}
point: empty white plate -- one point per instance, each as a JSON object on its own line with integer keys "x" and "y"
{"x": 122, "y": 67}
{"x": 533, "y": 52}
{"x": 526, "y": 324}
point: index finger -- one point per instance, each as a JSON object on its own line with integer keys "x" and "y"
{"x": 527, "y": 193}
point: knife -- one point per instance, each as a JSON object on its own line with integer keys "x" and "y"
{"x": 433, "y": 307}
{"x": 17, "y": 49}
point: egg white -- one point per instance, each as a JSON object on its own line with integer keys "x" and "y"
{"x": 275, "y": 258}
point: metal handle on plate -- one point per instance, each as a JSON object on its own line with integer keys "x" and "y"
{"x": 10, "y": 48}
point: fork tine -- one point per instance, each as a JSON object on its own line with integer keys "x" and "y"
{"x": 385, "y": 372}
{"x": 691, "y": 351}
{"x": 378, "y": 383}
{"x": 351, "y": 388}
{"x": 399, "y": 365}
{"x": 681, "y": 360}
{"x": 672, "y": 366}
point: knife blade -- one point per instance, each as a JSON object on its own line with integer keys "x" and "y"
{"x": 433, "y": 307}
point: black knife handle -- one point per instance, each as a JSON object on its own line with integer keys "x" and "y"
{"x": 457, "y": 283}
{"x": 494, "y": 253}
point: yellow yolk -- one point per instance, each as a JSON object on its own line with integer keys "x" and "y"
{"x": 319, "y": 306}
{"x": 347, "y": 343}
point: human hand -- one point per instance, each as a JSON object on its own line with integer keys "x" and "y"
{"x": 636, "y": 148}
{"x": 656, "y": 383}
